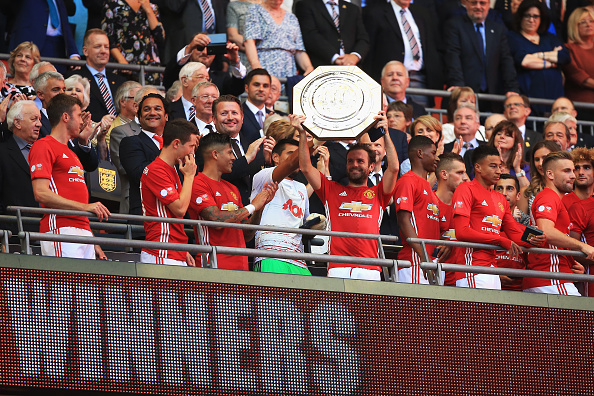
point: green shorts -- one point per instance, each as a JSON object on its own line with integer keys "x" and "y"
{"x": 280, "y": 267}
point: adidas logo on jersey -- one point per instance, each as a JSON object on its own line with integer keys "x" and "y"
{"x": 217, "y": 194}
{"x": 485, "y": 203}
{"x": 64, "y": 155}
{"x": 425, "y": 192}
{"x": 343, "y": 194}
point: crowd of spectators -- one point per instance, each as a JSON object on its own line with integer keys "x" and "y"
{"x": 199, "y": 152}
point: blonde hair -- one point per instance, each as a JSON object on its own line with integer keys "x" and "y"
{"x": 573, "y": 32}
{"x": 280, "y": 129}
{"x": 23, "y": 46}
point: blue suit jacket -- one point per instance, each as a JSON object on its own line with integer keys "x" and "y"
{"x": 29, "y": 21}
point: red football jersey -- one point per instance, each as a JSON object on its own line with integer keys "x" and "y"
{"x": 353, "y": 209}
{"x": 582, "y": 222}
{"x": 446, "y": 227}
{"x": 159, "y": 186}
{"x": 485, "y": 212}
{"x": 225, "y": 196}
{"x": 505, "y": 260}
{"x": 50, "y": 159}
{"x": 548, "y": 205}
{"x": 413, "y": 194}
{"x": 569, "y": 199}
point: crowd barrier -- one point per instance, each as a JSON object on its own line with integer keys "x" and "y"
{"x": 436, "y": 270}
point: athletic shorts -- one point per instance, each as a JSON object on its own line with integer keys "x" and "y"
{"x": 480, "y": 281}
{"x": 279, "y": 267}
{"x": 150, "y": 259}
{"x": 65, "y": 249}
{"x": 565, "y": 289}
{"x": 354, "y": 273}
{"x": 414, "y": 274}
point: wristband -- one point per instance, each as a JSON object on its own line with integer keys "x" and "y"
{"x": 250, "y": 208}
{"x": 521, "y": 173}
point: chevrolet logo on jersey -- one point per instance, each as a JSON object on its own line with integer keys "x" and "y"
{"x": 450, "y": 234}
{"x": 355, "y": 206}
{"x": 229, "y": 206}
{"x": 433, "y": 208}
{"x": 77, "y": 171}
{"x": 493, "y": 220}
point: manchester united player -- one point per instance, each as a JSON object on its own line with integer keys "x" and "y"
{"x": 480, "y": 213}
{"x": 549, "y": 214}
{"x": 355, "y": 207}
{"x": 417, "y": 207}
{"x": 215, "y": 199}
{"x": 509, "y": 186}
{"x": 582, "y": 228}
{"x": 58, "y": 180}
{"x": 163, "y": 194}
{"x": 583, "y": 161}
{"x": 450, "y": 172}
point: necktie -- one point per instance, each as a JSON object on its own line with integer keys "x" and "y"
{"x": 207, "y": 16}
{"x": 192, "y": 115}
{"x": 105, "y": 94}
{"x": 336, "y": 19}
{"x": 259, "y": 116}
{"x": 377, "y": 178}
{"x": 54, "y": 18}
{"x": 209, "y": 128}
{"x": 479, "y": 36}
{"x": 159, "y": 139}
{"x": 28, "y": 146}
{"x": 467, "y": 146}
{"x": 414, "y": 47}
{"x": 236, "y": 149}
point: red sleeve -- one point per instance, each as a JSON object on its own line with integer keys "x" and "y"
{"x": 462, "y": 200}
{"x": 578, "y": 218}
{"x": 541, "y": 209}
{"x": 201, "y": 196}
{"x": 465, "y": 234}
{"x": 41, "y": 159}
{"x": 159, "y": 182}
{"x": 404, "y": 195}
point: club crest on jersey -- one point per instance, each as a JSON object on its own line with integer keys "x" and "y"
{"x": 356, "y": 209}
{"x": 495, "y": 220}
{"x": 233, "y": 195}
{"x": 77, "y": 171}
{"x": 501, "y": 206}
{"x": 369, "y": 194}
{"x": 229, "y": 206}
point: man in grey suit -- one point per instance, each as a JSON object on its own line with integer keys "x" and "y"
{"x": 118, "y": 133}
{"x": 517, "y": 110}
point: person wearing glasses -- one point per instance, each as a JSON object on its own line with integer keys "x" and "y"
{"x": 538, "y": 55}
{"x": 517, "y": 110}
{"x": 579, "y": 73}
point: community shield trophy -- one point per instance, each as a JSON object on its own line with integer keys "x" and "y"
{"x": 338, "y": 101}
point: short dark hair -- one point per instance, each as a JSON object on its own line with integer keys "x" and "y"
{"x": 419, "y": 142}
{"x": 226, "y": 98}
{"x": 363, "y": 147}
{"x": 213, "y": 141}
{"x": 59, "y": 105}
{"x": 153, "y": 95}
{"x": 446, "y": 160}
{"x": 555, "y": 156}
{"x": 481, "y": 152}
{"x": 281, "y": 144}
{"x": 507, "y": 176}
{"x": 405, "y": 108}
{"x": 179, "y": 129}
{"x": 523, "y": 8}
{"x": 256, "y": 72}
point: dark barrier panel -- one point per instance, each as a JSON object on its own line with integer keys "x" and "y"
{"x": 161, "y": 336}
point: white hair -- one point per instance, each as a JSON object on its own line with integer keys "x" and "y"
{"x": 190, "y": 68}
{"x": 16, "y": 112}
{"x": 35, "y": 70}
{"x": 142, "y": 92}
{"x": 43, "y": 78}
{"x": 76, "y": 79}
{"x": 471, "y": 107}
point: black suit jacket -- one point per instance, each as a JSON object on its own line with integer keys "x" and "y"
{"x": 530, "y": 139}
{"x": 15, "y": 178}
{"x": 97, "y": 106}
{"x": 182, "y": 19}
{"x": 242, "y": 173}
{"x": 136, "y": 152}
{"x": 386, "y": 42}
{"x": 585, "y": 140}
{"x": 250, "y": 128}
{"x": 225, "y": 82}
{"x": 464, "y": 62}
{"x": 176, "y": 110}
{"x": 320, "y": 36}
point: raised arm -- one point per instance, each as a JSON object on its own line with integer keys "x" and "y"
{"x": 312, "y": 175}
{"x": 391, "y": 173}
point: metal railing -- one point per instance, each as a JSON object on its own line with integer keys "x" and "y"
{"x": 389, "y": 264}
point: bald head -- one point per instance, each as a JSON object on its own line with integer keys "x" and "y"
{"x": 563, "y": 105}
